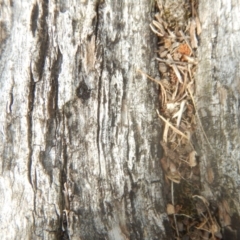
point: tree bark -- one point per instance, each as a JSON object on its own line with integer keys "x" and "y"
{"x": 218, "y": 89}
{"x": 74, "y": 110}
{"x": 80, "y": 136}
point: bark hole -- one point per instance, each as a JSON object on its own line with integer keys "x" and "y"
{"x": 83, "y": 92}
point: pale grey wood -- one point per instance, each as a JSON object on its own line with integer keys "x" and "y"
{"x": 218, "y": 98}
{"x": 74, "y": 109}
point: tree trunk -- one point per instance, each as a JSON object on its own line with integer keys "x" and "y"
{"x": 218, "y": 100}
{"x": 74, "y": 110}
{"x": 79, "y": 131}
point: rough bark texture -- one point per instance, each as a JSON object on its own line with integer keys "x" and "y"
{"x": 218, "y": 91}
{"x": 75, "y": 110}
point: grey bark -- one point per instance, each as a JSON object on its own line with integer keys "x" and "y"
{"x": 218, "y": 89}
{"x": 74, "y": 110}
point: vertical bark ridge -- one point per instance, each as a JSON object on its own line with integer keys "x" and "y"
{"x": 218, "y": 106}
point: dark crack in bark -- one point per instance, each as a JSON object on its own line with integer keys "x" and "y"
{"x": 42, "y": 40}
{"x": 31, "y": 98}
{"x": 34, "y": 18}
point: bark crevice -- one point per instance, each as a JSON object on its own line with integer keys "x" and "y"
{"x": 31, "y": 99}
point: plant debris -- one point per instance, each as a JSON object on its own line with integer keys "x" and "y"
{"x": 189, "y": 212}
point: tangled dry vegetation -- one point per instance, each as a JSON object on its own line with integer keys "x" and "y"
{"x": 189, "y": 213}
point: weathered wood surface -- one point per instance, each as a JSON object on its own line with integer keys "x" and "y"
{"x": 73, "y": 109}
{"x": 218, "y": 99}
